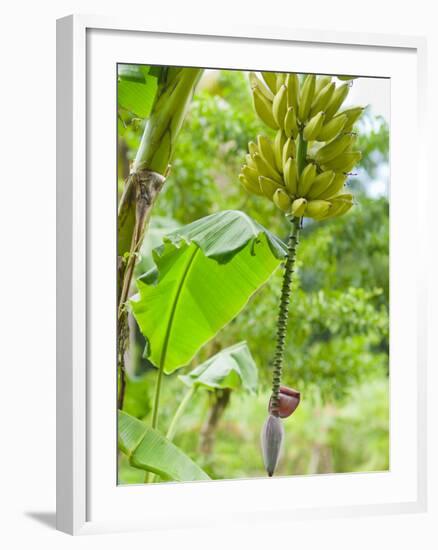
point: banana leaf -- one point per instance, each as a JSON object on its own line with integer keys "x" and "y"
{"x": 136, "y": 89}
{"x": 204, "y": 275}
{"x": 231, "y": 368}
{"x": 133, "y": 73}
{"x": 158, "y": 228}
{"x": 148, "y": 450}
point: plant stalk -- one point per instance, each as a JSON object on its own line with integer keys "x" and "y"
{"x": 149, "y": 477}
{"x": 179, "y": 411}
{"x": 143, "y": 186}
{"x": 301, "y": 153}
{"x": 283, "y": 314}
{"x": 208, "y": 431}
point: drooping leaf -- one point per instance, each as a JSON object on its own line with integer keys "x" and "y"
{"x": 148, "y": 450}
{"x": 222, "y": 235}
{"x": 137, "y": 97}
{"x": 205, "y": 274}
{"x": 232, "y": 368}
{"x": 158, "y": 228}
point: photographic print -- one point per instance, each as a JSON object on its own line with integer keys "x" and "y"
{"x": 253, "y": 274}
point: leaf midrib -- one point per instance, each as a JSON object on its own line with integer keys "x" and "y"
{"x": 174, "y": 307}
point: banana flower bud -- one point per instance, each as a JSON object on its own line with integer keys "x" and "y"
{"x": 289, "y": 399}
{"x": 272, "y": 439}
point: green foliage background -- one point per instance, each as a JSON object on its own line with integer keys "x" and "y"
{"x": 338, "y": 337}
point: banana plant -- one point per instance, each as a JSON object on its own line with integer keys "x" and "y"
{"x": 303, "y": 172}
{"x": 204, "y": 275}
{"x": 150, "y": 451}
{"x": 174, "y": 88}
{"x": 231, "y": 369}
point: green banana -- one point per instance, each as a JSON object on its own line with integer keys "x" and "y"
{"x": 335, "y": 186}
{"x": 306, "y": 180}
{"x": 352, "y": 114}
{"x": 332, "y": 128}
{"x": 320, "y": 184}
{"x": 289, "y": 150}
{"x": 290, "y": 123}
{"x": 313, "y": 127}
{"x": 265, "y": 169}
{"x": 252, "y": 148}
{"x": 251, "y": 175}
{"x": 279, "y": 106}
{"x": 321, "y": 82}
{"x": 255, "y": 82}
{"x": 279, "y": 141}
{"x": 266, "y": 151}
{"x": 268, "y": 186}
{"x": 322, "y": 99}
{"x": 306, "y": 97}
{"x": 317, "y": 209}
{"x": 271, "y": 81}
{"x": 298, "y": 207}
{"x": 336, "y": 101}
{"x": 291, "y": 176}
{"x": 346, "y": 77}
{"x": 337, "y": 209}
{"x": 334, "y": 148}
{"x": 343, "y": 163}
{"x": 344, "y": 197}
{"x": 249, "y": 186}
{"x": 281, "y": 79}
{"x": 293, "y": 91}
{"x": 263, "y": 108}
{"x": 282, "y": 200}
{"x": 250, "y": 162}
{"x": 312, "y": 108}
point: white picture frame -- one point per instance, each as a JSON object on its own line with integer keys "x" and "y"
{"x": 85, "y": 501}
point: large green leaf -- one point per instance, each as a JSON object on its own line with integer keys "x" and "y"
{"x": 136, "y": 90}
{"x": 205, "y": 274}
{"x": 148, "y": 450}
{"x": 232, "y": 368}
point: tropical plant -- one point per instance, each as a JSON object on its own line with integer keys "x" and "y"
{"x": 148, "y": 450}
{"x": 232, "y": 369}
{"x": 303, "y": 172}
{"x": 204, "y": 275}
{"x": 163, "y": 94}
{"x": 182, "y": 396}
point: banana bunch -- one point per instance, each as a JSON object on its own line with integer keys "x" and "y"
{"x": 303, "y": 170}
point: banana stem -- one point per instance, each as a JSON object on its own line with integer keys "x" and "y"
{"x": 178, "y": 413}
{"x": 157, "y": 396}
{"x": 144, "y": 185}
{"x": 283, "y": 314}
{"x": 149, "y": 477}
{"x": 301, "y": 153}
{"x": 163, "y": 126}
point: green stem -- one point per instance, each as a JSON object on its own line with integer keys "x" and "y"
{"x": 178, "y": 413}
{"x": 149, "y": 170}
{"x": 158, "y": 141}
{"x": 301, "y": 153}
{"x": 283, "y": 314}
{"x": 157, "y": 395}
{"x": 149, "y": 477}
{"x": 167, "y": 338}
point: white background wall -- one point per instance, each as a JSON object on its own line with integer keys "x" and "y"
{"x": 27, "y": 218}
